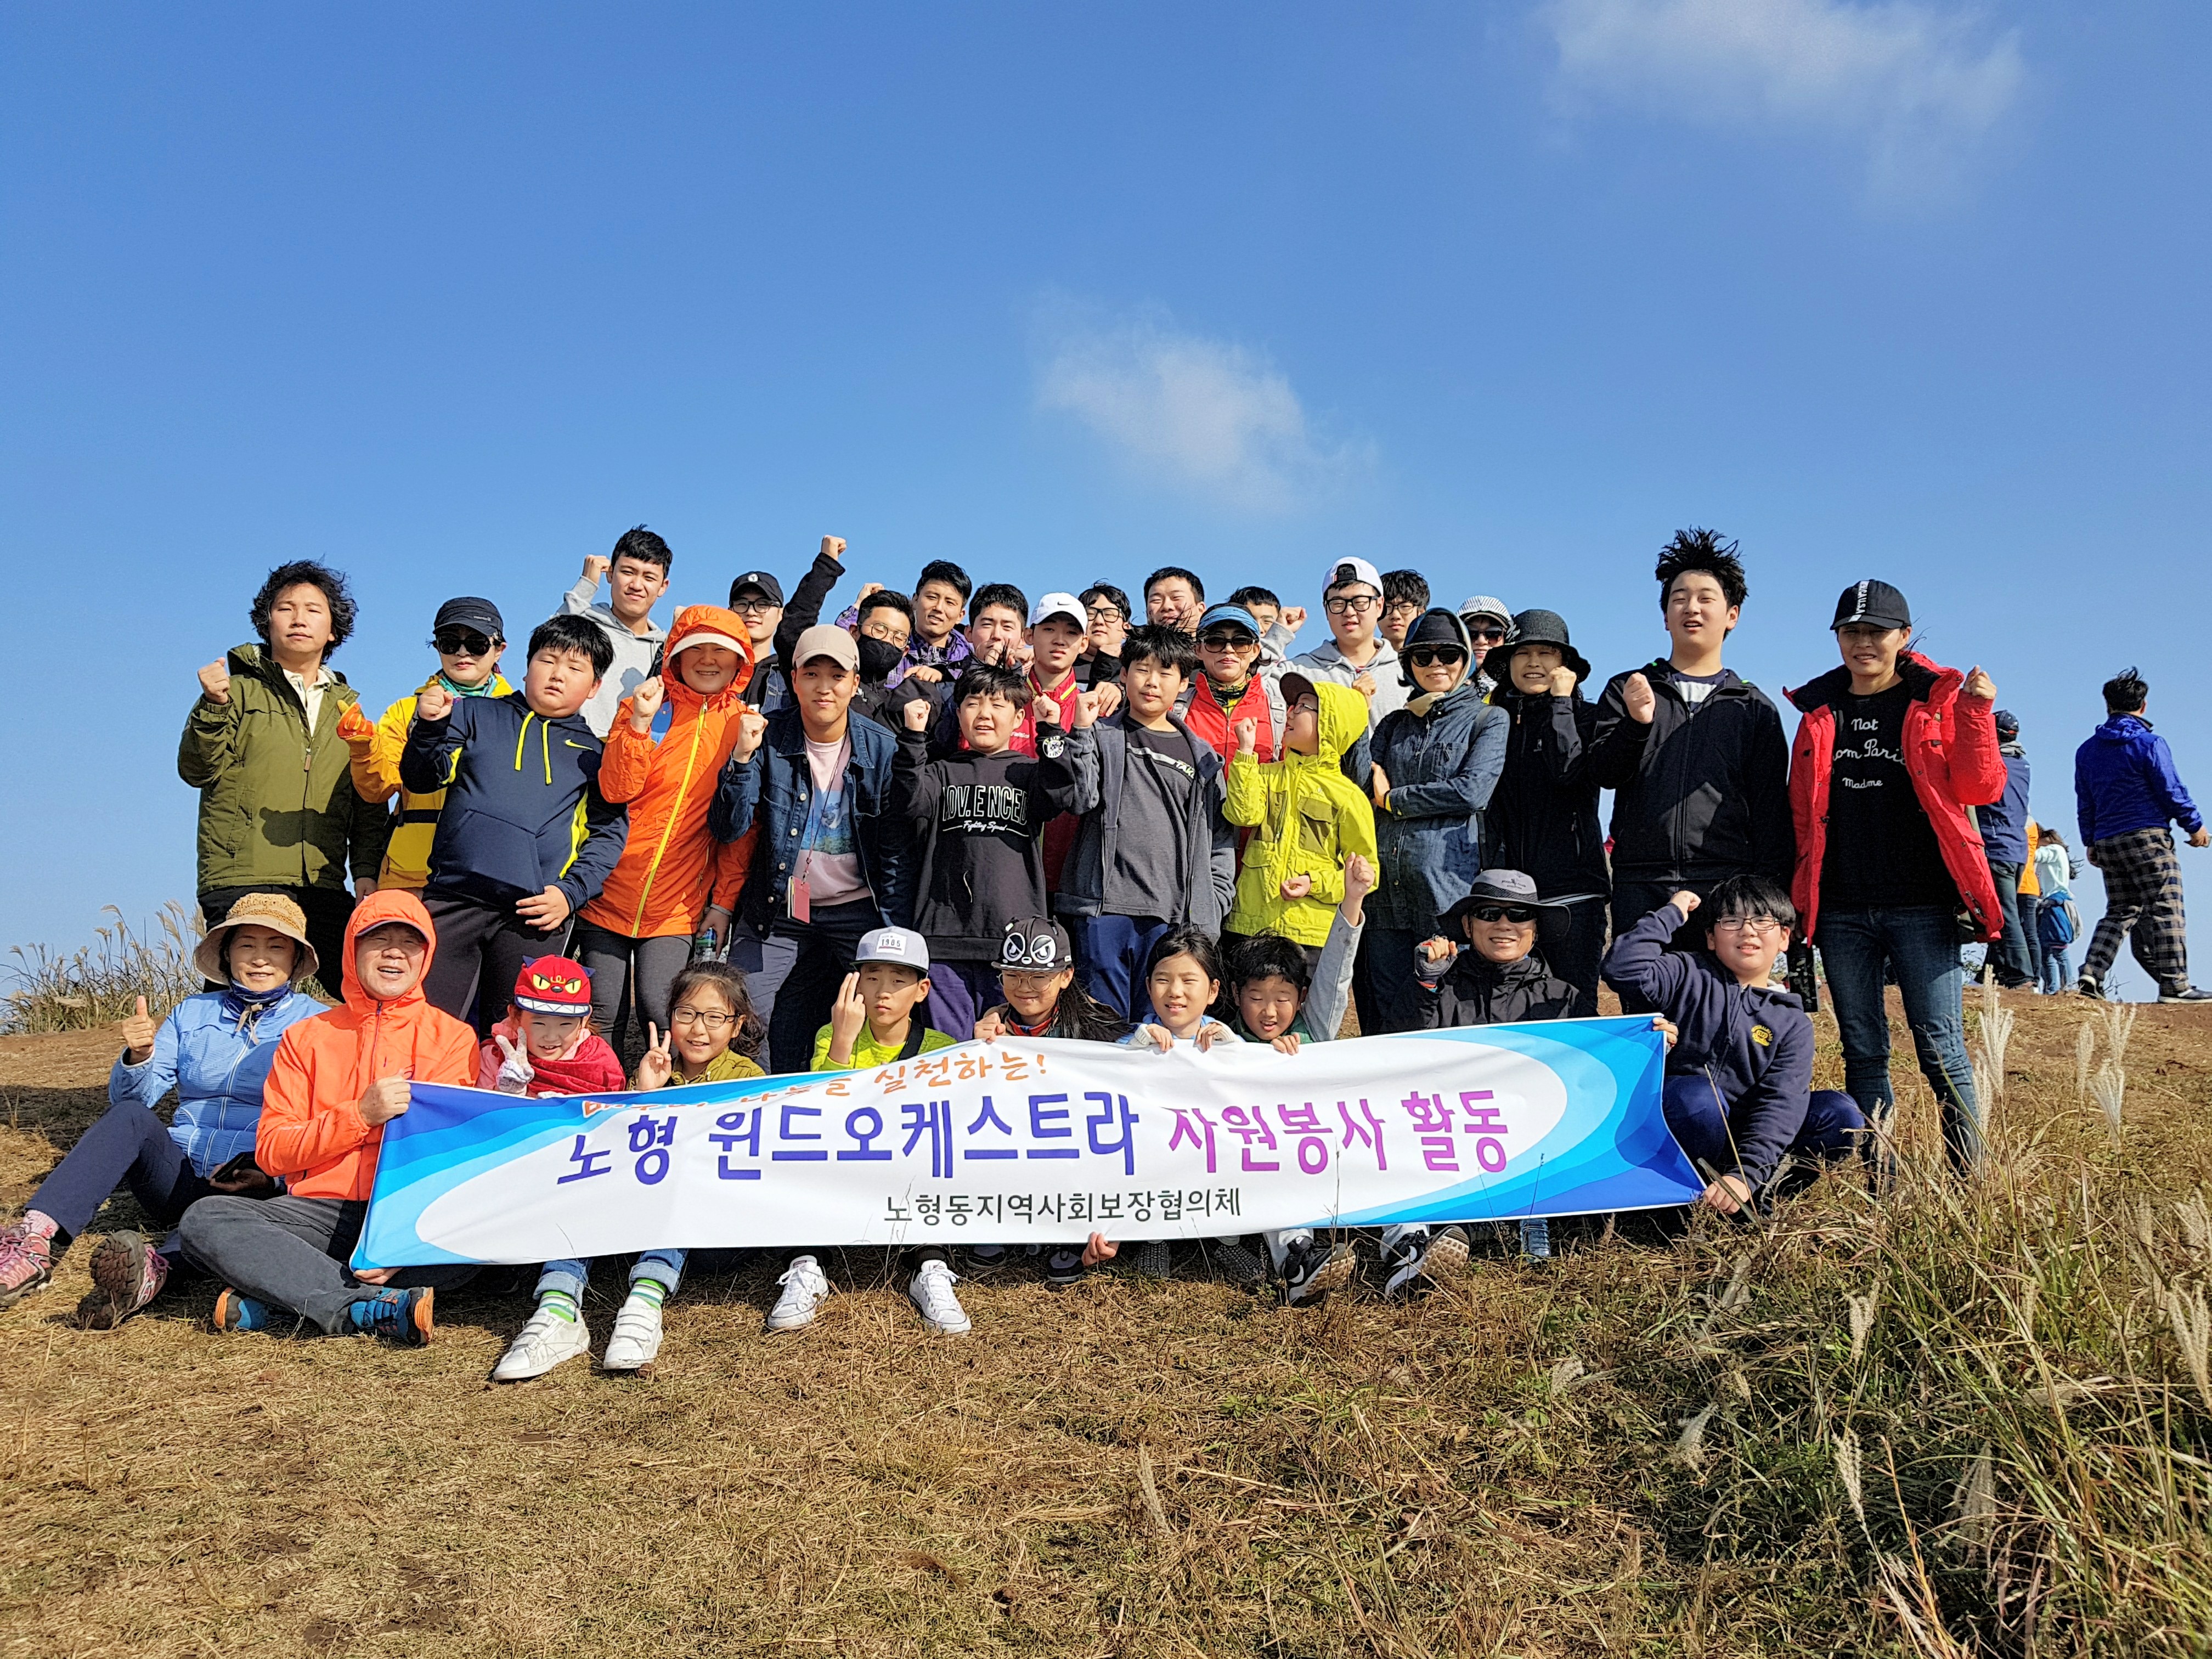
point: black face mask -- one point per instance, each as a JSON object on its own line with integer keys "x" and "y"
{"x": 877, "y": 659}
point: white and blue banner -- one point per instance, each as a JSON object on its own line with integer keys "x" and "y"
{"x": 1023, "y": 1141}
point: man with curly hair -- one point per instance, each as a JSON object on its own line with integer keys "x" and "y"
{"x": 278, "y": 810}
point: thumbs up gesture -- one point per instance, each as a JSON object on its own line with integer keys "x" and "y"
{"x": 138, "y": 1034}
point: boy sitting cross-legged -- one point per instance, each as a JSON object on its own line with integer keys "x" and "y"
{"x": 876, "y": 1019}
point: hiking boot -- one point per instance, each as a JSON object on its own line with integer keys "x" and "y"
{"x": 1064, "y": 1268}
{"x": 1415, "y": 1255}
{"x": 26, "y": 1262}
{"x": 547, "y": 1337}
{"x": 2187, "y": 993}
{"x": 127, "y": 1272}
{"x": 1151, "y": 1259}
{"x": 234, "y": 1312}
{"x": 932, "y": 1292}
{"x": 637, "y": 1336}
{"x": 1239, "y": 1266}
{"x": 401, "y": 1316}
{"x": 804, "y": 1290}
{"x": 1311, "y": 1269}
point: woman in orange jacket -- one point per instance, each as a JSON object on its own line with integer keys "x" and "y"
{"x": 674, "y": 879}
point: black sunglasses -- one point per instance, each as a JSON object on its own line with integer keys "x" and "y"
{"x": 1219, "y": 640}
{"x": 1503, "y": 913}
{"x": 1490, "y": 634}
{"x": 460, "y": 642}
{"x": 1427, "y": 656}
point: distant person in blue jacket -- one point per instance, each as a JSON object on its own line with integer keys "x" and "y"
{"x": 2003, "y": 824}
{"x": 2127, "y": 792}
{"x": 214, "y": 1049}
{"x": 1740, "y": 1094}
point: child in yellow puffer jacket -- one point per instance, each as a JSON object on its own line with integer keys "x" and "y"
{"x": 1309, "y": 818}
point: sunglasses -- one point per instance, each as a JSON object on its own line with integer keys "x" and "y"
{"x": 1488, "y": 633}
{"x": 753, "y": 606}
{"x": 1427, "y": 656}
{"x": 1222, "y": 640}
{"x": 460, "y": 642}
{"x": 1503, "y": 913}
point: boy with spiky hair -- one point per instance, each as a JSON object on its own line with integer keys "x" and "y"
{"x": 1405, "y": 596}
{"x": 636, "y": 575}
{"x": 1696, "y": 757}
{"x": 524, "y": 839}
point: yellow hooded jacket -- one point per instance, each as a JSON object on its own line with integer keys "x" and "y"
{"x": 1309, "y": 819}
{"x": 375, "y": 767}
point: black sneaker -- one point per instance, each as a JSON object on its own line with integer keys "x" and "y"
{"x": 1238, "y": 1265}
{"x": 2088, "y": 987}
{"x": 2189, "y": 994}
{"x": 1151, "y": 1259}
{"x": 1311, "y": 1269}
{"x": 1064, "y": 1268}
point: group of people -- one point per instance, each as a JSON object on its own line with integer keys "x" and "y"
{"x": 754, "y": 840}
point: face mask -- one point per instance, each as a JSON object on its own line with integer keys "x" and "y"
{"x": 877, "y": 659}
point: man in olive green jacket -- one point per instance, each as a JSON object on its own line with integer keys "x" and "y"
{"x": 278, "y": 812}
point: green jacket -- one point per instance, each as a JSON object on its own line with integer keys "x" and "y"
{"x": 277, "y": 805}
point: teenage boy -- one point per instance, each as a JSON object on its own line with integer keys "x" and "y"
{"x": 2126, "y": 792}
{"x": 336, "y": 1081}
{"x": 1739, "y": 1091}
{"x": 1154, "y": 851}
{"x": 1352, "y": 599}
{"x": 773, "y": 627}
{"x": 636, "y": 575}
{"x": 1058, "y": 631}
{"x": 1405, "y": 596}
{"x": 2003, "y": 826}
{"x": 830, "y": 864}
{"x": 469, "y": 638}
{"x": 1891, "y": 753}
{"x": 278, "y": 812}
{"x": 883, "y": 623}
{"x": 1231, "y": 685}
{"x": 1696, "y": 757}
{"x": 1106, "y": 614}
{"x": 976, "y": 814}
{"x": 1266, "y": 608}
{"x": 937, "y": 649}
{"x": 1174, "y": 598}
{"x": 1488, "y": 622}
{"x": 524, "y": 839}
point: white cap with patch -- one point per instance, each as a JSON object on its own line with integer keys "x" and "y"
{"x": 901, "y": 945}
{"x": 1342, "y": 571}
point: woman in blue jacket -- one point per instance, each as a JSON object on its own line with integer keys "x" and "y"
{"x": 215, "y": 1050}
{"x": 1436, "y": 761}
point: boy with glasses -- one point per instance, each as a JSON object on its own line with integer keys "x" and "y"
{"x": 636, "y": 575}
{"x": 1106, "y": 616}
{"x": 1352, "y": 599}
{"x": 773, "y": 627}
{"x": 1405, "y": 596}
{"x": 469, "y": 638}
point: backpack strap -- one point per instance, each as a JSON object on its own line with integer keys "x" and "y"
{"x": 916, "y": 1031}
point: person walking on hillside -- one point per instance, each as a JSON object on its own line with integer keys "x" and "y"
{"x": 2003, "y": 824}
{"x": 1892, "y": 751}
{"x": 2126, "y": 792}
{"x": 278, "y": 810}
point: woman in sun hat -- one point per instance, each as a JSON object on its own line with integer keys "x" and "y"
{"x": 214, "y": 1049}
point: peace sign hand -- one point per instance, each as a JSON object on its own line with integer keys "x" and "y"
{"x": 656, "y": 1065}
{"x": 516, "y": 1071}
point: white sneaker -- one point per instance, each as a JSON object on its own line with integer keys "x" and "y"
{"x": 636, "y": 1338}
{"x": 932, "y": 1291}
{"x": 804, "y": 1290}
{"x": 543, "y": 1342}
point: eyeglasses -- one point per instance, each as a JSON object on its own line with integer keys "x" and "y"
{"x": 750, "y": 607}
{"x": 1427, "y": 656}
{"x": 1759, "y": 927}
{"x": 460, "y": 642}
{"x": 1351, "y": 603}
{"x": 1515, "y": 913}
{"x": 1100, "y": 613}
{"x": 891, "y": 635}
{"x": 1488, "y": 633}
{"x": 706, "y": 1019}
{"x": 1223, "y": 640}
{"x": 1401, "y": 608}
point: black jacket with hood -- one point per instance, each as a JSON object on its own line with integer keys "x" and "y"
{"x": 1543, "y": 815}
{"x": 1476, "y": 990}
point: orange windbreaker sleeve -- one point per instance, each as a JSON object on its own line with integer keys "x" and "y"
{"x": 628, "y": 762}
{"x": 297, "y": 1132}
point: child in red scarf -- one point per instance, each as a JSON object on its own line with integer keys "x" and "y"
{"x": 546, "y": 1045}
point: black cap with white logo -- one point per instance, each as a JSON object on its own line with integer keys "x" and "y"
{"x": 770, "y": 589}
{"x": 1872, "y": 605}
{"x": 1036, "y": 946}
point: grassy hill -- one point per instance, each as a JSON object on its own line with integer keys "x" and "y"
{"x": 1953, "y": 1418}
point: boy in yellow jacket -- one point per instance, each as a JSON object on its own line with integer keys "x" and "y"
{"x": 1308, "y": 817}
{"x": 468, "y": 636}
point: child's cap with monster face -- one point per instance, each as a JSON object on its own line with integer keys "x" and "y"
{"x": 554, "y": 985}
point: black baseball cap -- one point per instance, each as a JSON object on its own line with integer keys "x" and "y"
{"x": 1875, "y": 604}
{"x": 1035, "y": 944}
{"x": 771, "y": 589}
{"x": 469, "y": 612}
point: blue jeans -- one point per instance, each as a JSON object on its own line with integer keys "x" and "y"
{"x": 2057, "y": 972}
{"x": 2009, "y": 956}
{"x": 663, "y": 1267}
{"x": 1700, "y": 1119}
{"x": 1920, "y": 944}
{"x": 1109, "y": 960}
{"x": 960, "y": 992}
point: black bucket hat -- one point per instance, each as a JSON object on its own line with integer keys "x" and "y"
{"x": 1434, "y": 626}
{"x": 1537, "y": 627}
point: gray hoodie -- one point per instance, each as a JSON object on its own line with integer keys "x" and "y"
{"x": 1390, "y": 692}
{"x": 634, "y": 654}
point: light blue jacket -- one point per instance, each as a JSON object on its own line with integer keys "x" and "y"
{"x": 217, "y": 1071}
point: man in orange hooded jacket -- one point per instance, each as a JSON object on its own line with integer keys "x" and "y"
{"x": 336, "y": 1081}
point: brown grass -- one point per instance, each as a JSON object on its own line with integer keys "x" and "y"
{"x": 1134, "y": 1469}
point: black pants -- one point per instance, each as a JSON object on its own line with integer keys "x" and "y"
{"x": 1572, "y": 944}
{"x": 128, "y": 1147}
{"x": 326, "y": 909}
{"x": 627, "y": 971}
{"x": 802, "y": 965}
{"x": 480, "y": 951}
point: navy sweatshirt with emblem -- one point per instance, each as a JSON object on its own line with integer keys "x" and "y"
{"x": 977, "y": 820}
{"x": 1754, "y": 1041}
{"x": 523, "y": 810}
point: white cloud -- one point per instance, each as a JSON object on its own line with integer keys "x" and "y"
{"x": 1919, "y": 85}
{"x": 1205, "y": 414}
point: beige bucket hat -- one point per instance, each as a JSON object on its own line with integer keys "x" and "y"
{"x": 270, "y": 910}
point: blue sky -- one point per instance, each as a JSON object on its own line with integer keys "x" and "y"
{"x": 1505, "y": 293}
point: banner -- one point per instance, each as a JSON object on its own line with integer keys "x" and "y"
{"x": 1023, "y": 1141}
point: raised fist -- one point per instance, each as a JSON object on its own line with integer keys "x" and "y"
{"x": 1087, "y": 707}
{"x": 1364, "y": 683}
{"x": 596, "y": 565}
{"x": 355, "y": 729}
{"x": 1686, "y": 901}
{"x": 1635, "y": 697}
{"x": 1359, "y": 876}
{"x": 1562, "y": 682}
{"x": 1437, "y": 948}
{"x": 215, "y": 683}
{"x": 915, "y": 714}
{"x": 833, "y": 547}
{"x": 1980, "y": 686}
{"x": 868, "y": 589}
{"x": 645, "y": 703}
{"x": 1292, "y": 618}
{"x": 1248, "y": 737}
{"x": 752, "y": 725}
{"x": 433, "y": 703}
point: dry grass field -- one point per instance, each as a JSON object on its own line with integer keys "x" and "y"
{"x": 1963, "y": 1418}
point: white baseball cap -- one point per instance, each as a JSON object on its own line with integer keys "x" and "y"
{"x": 1341, "y": 571}
{"x": 1059, "y": 605}
{"x": 901, "y": 945}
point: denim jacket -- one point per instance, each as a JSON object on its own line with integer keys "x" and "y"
{"x": 1443, "y": 767}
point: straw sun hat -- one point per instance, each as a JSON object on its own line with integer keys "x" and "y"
{"x": 270, "y": 910}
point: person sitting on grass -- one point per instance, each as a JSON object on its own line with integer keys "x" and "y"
{"x": 215, "y": 1050}
{"x": 711, "y": 1013}
{"x": 1278, "y": 1001}
{"x": 875, "y": 1020}
{"x": 336, "y": 1081}
{"x": 1740, "y": 1096}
